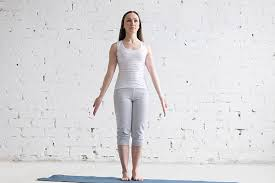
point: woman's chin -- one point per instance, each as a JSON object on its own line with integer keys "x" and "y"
{"x": 132, "y": 31}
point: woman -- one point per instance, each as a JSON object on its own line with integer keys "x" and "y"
{"x": 130, "y": 94}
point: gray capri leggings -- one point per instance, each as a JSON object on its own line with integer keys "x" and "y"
{"x": 131, "y": 106}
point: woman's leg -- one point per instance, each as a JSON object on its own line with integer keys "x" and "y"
{"x": 139, "y": 116}
{"x": 136, "y": 154}
{"x": 123, "y": 151}
{"x": 123, "y": 110}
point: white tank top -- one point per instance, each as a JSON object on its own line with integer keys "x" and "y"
{"x": 131, "y": 63}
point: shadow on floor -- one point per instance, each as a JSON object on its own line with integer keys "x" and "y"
{"x": 94, "y": 179}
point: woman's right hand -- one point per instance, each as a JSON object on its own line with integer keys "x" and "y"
{"x": 163, "y": 104}
{"x": 96, "y": 105}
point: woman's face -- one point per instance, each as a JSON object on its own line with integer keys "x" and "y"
{"x": 131, "y": 23}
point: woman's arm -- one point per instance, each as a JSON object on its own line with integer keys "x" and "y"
{"x": 110, "y": 71}
{"x": 108, "y": 76}
{"x": 152, "y": 71}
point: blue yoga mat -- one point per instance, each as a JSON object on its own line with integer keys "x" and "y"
{"x": 94, "y": 179}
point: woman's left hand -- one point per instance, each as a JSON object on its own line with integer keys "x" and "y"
{"x": 163, "y": 104}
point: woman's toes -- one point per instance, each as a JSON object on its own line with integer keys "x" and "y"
{"x": 125, "y": 177}
{"x": 137, "y": 178}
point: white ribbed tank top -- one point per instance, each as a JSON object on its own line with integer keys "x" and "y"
{"x": 131, "y": 63}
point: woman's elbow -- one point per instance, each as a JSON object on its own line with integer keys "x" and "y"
{"x": 109, "y": 74}
{"x": 150, "y": 69}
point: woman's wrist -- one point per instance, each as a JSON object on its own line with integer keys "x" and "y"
{"x": 101, "y": 96}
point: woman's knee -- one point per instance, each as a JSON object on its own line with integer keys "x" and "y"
{"x": 137, "y": 139}
{"x": 123, "y": 136}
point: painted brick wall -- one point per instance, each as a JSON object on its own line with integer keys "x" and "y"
{"x": 215, "y": 59}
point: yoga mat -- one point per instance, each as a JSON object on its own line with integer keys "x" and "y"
{"x": 94, "y": 179}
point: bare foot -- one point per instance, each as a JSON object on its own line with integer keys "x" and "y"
{"x": 135, "y": 177}
{"x": 125, "y": 177}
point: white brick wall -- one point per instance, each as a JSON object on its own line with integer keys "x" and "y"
{"x": 215, "y": 59}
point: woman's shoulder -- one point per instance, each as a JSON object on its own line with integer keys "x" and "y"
{"x": 147, "y": 46}
{"x": 114, "y": 45}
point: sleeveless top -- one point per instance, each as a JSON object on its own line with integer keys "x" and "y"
{"x": 131, "y": 63}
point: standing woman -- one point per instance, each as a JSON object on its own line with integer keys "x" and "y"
{"x": 130, "y": 94}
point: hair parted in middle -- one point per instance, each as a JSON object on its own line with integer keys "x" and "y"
{"x": 122, "y": 32}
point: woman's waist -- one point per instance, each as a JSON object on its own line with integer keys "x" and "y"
{"x": 128, "y": 74}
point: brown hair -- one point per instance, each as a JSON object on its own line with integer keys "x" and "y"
{"x": 122, "y": 32}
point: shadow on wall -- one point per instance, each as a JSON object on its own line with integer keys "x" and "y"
{"x": 94, "y": 179}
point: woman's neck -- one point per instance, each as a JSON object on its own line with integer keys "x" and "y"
{"x": 131, "y": 38}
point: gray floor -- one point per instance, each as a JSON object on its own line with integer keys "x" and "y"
{"x": 28, "y": 172}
